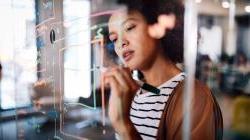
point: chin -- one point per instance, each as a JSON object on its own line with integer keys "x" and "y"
{"x": 132, "y": 66}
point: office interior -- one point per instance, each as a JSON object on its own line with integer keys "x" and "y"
{"x": 52, "y": 54}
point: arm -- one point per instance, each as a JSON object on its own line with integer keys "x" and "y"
{"x": 123, "y": 89}
{"x": 129, "y": 133}
{"x": 207, "y": 118}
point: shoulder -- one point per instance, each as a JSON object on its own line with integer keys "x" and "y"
{"x": 202, "y": 102}
{"x": 204, "y": 110}
{"x": 199, "y": 92}
{"x": 202, "y": 93}
{"x": 205, "y": 116}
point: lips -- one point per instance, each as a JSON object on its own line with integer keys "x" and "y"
{"x": 127, "y": 55}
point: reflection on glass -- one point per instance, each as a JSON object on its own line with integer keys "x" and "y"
{"x": 77, "y": 55}
{"x": 17, "y": 52}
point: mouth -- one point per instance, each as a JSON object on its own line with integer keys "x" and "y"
{"x": 127, "y": 55}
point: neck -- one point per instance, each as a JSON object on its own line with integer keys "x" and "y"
{"x": 161, "y": 71}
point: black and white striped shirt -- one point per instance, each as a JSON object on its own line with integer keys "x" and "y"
{"x": 147, "y": 108}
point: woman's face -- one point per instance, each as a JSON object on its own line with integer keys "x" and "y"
{"x": 133, "y": 44}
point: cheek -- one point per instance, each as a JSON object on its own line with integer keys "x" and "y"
{"x": 141, "y": 36}
{"x": 143, "y": 41}
{"x": 137, "y": 40}
{"x": 118, "y": 51}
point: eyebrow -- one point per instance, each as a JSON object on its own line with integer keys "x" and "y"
{"x": 128, "y": 19}
{"x": 125, "y": 21}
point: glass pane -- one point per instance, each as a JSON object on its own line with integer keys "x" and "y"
{"x": 55, "y": 52}
{"x": 223, "y": 60}
{"x": 84, "y": 102}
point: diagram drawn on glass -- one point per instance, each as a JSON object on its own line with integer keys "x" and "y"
{"x": 72, "y": 52}
{"x": 97, "y": 44}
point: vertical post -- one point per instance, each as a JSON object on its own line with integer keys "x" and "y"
{"x": 102, "y": 84}
{"x": 231, "y": 39}
{"x": 190, "y": 52}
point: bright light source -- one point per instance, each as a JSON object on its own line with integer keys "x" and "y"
{"x": 247, "y": 8}
{"x": 225, "y": 4}
{"x": 198, "y": 1}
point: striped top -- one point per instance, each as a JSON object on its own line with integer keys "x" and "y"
{"x": 146, "y": 109}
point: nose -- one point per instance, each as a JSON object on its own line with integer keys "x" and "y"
{"x": 122, "y": 42}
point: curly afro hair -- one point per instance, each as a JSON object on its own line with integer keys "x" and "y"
{"x": 172, "y": 42}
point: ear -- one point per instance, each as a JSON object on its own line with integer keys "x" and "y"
{"x": 165, "y": 22}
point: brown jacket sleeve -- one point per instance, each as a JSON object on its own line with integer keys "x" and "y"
{"x": 206, "y": 119}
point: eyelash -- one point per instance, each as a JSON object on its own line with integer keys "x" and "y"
{"x": 114, "y": 40}
{"x": 130, "y": 27}
{"x": 127, "y": 29}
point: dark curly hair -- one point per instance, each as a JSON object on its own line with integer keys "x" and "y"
{"x": 172, "y": 42}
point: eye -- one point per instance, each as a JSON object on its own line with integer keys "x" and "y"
{"x": 131, "y": 27}
{"x": 113, "y": 38}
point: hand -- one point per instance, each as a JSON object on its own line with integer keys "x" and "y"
{"x": 123, "y": 89}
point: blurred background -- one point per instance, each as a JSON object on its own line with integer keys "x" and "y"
{"x": 223, "y": 60}
{"x": 52, "y": 53}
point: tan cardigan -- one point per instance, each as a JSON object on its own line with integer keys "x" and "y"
{"x": 206, "y": 118}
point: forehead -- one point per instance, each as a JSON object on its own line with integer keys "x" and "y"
{"x": 118, "y": 18}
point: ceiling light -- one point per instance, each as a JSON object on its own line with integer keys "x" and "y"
{"x": 225, "y": 4}
{"x": 247, "y": 8}
{"x": 198, "y": 1}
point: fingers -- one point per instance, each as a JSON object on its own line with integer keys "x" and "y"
{"x": 113, "y": 83}
{"x": 118, "y": 75}
{"x": 121, "y": 79}
{"x": 123, "y": 89}
{"x": 126, "y": 72}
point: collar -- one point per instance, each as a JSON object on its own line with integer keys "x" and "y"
{"x": 169, "y": 84}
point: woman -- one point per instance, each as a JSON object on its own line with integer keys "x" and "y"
{"x": 139, "y": 41}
